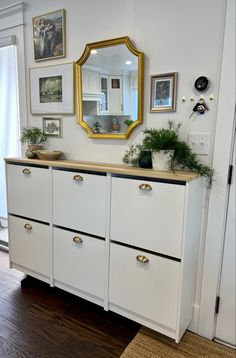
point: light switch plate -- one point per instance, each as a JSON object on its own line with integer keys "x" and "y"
{"x": 199, "y": 142}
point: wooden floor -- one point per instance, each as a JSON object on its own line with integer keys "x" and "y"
{"x": 39, "y": 321}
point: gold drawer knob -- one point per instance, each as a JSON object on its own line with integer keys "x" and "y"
{"x": 28, "y": 227}
{"x": 145, "y": 187}
{"x": 77, "y": 240}
{"x": 26, "y": 171}
{"x": 142, "y": 259}
{"x": 78, "y": 178}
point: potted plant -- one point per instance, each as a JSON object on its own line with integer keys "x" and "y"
{"x": 162, "y": 144}
{"x": 34, "y": 137}
{"x": 131, "y": 156}
{"x": 179, "y": 154}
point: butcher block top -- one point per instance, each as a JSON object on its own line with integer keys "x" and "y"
{"x": 184, "y": 176}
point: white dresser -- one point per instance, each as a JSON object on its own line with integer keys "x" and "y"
{"x": 124, "y": 238}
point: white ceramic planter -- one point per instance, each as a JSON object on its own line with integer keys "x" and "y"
{"x": 161, "y": 160}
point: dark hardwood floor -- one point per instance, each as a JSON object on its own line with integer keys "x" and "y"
{"x": 40, "y": 321}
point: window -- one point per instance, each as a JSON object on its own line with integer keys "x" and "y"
{"x": 9, "y": 113}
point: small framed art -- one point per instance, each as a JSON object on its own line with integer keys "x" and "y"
{"x": 163, "y": 92}
{"x": 52, "y": 126}
{"x": 52, "y": 89}
{"x": 49, "y": 35}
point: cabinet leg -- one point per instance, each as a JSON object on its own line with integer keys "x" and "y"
{"x": 28, "y": 281}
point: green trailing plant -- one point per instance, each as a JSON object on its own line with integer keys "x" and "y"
{"x": 168, "y": 139}
{"x": 32, "y": 135}
{"x": 184, "y": 158}
{"x": 131, "y": 156}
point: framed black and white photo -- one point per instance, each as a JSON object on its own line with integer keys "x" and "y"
{"x": 52, "y": 126}
{"x": 163, "y": 92}
{"x": 49, "y": 35}
{"x": 52, "y": 89}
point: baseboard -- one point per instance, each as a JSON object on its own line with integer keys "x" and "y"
{"x": 224, "y": 343}
{"x": 193, "y": 327}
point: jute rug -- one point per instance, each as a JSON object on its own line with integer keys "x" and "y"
{"x": 150, "y": 344}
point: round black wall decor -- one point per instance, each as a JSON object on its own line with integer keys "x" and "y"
{"x": 201, "y": 83}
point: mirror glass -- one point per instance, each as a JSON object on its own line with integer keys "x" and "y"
{"x": 109, "y": 88}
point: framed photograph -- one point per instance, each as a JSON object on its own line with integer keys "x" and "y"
{"x": 115, "y": 83}
{"x": 49, "y": 35}
{"x": 52, "y": 89}
{"x": 52, "y": 126}
{"x": 163, "y": 92}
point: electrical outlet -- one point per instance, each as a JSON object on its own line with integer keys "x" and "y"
{"x": 199, "y": 142}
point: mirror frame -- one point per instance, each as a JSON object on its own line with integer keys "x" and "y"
{"x": 79, "y": 101}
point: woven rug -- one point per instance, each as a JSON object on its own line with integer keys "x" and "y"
{"x": 150, "y": 344}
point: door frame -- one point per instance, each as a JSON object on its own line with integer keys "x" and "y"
{"x": 229, "y": 195}
{"x": 218, "y": 194}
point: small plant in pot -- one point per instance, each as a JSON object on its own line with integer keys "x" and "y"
{"x": 131, "y": 156}
{"x": 167, "y": 142}
{"x": 162, "y": 144}
{"x": 34, "y": 137}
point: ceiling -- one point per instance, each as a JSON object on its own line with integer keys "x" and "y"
{"x": 113, "y": 58}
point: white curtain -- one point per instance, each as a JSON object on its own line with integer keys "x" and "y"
{"x": 9, "y": 116}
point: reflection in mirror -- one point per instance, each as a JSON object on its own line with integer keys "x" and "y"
{"x": 109, "y": 88}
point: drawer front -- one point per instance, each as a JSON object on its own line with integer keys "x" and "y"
{"x": 28, "y": 191}
{"x": 79, "y": 264}
{"x": 30, "y": 245}
{"x": 150, "y": 219}
{"x": 79, "y": 204}
{"x": 148, "y": 289}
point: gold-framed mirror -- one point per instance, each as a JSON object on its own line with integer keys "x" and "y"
{"x": 109, "y": 88}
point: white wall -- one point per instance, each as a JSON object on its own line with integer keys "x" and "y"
{"x": 183, "y": 36}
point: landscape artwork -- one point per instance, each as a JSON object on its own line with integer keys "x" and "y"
{"x": 49, "y": 35}
{"x": 50, "y": 89}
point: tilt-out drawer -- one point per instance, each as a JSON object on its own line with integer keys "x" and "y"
{"x": 28, "y": 192}
{"x": 150, "y": 214}
{"x": 79, "y": 201}
{"x": 30, "y": 245}
{"x": 79, "y": 261}
{"x": 149, "y": 289}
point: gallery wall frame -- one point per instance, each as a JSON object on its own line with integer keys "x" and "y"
{"x": 52, "y": 89}
{"x": 163, "y": 92}
{"x": 52, "y": 126}
{"x": 49, "y": 35}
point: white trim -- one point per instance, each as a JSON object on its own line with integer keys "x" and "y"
{"x": 11, "y": 24}
{"x": 224, "y": 343}
{"x": 218, "y": 195}
{"x": 30, "y": 272}
{"x": 7, "y": 41}
{"x": 193, "y": 327}
{"x": 11, "y": 9}
{"x": 51, "y": 226}
{"x": 161, "y": 328}
{"x": 107, "y": 240}
{"x": 75, "y": 291}
{"x": 11, "y": 15}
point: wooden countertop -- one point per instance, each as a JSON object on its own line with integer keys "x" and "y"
{"x": 108, "y": 168}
